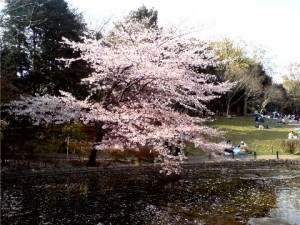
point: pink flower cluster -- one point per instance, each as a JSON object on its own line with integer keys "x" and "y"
{"x": 142, "y": 73}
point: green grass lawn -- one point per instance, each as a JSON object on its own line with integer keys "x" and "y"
{"x": 263, "y": 141}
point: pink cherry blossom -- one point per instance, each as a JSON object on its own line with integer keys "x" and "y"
{"x": 142, "y": 73}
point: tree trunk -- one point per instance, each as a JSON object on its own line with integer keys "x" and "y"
{"x": 245, "y": 106}
{"x": 92, "y": 157}
{"x": 68, "y": 145}
{"x": 99, "y": 136}
{"x": 263, "y": 106}
{"x": 227, "y": 110}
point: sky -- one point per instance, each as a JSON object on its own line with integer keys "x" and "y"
{"x": 272, "y": 25}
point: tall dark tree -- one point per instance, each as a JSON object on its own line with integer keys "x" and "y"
{"x": 143, "y": 13}
{"x": 33, "y": 32}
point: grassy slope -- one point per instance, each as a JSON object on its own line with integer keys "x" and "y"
{"x": 263, "y": 141}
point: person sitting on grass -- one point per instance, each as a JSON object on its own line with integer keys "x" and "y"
{"x": 281, "y": 121}
{"x": 266, "y": 126}
{"x": 292, "y": 135}
{"x": 229, "y": 148}
{"x": 243, "y": 147}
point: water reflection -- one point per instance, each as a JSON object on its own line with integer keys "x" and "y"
{"x": 220, "y": 196}
{"x": 288, "y": 204}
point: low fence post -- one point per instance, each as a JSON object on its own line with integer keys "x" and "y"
{"x": 254, "y": 155}
{"x": 277, "y": 155}
{"x": 272, "y": 148}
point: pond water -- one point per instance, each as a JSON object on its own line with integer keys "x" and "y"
{"x": 197, "y": 196}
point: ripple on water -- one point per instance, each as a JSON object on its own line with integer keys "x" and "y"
{"x": 197, "y": 197}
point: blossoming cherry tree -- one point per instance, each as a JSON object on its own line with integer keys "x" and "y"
{"x": 141, "y": 75}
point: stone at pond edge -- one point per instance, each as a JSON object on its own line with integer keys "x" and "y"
{"x": 238, "y": 216}
{"x": 268, "y": 221}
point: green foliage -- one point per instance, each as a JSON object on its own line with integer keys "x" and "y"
{"x": 72, "y": 136}
{"x": 248, "y": 73}
{"x": 232, "y": 55}
{"x": 115, "y": 153}
{"x": 3, "y": 125}
{"x": 39, "y": 146}
{"x": 32, "y": 41}
{"x": 46, "y": 139}
{"x": 26, "y": 139}
{"x": 72, "y": 130}
{"x": 143, "y": 13}
{"x": 191, "y": 150}
{"x": 144, "y": 155}
{"x": 291, "y": 83}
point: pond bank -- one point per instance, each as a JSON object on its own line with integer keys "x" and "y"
{"x": 193, "y": 162}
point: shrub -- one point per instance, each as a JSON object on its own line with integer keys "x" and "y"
{"x": 115, "y": 153}
{"x": 291, "y": 146}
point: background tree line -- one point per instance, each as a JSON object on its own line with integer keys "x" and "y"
{"x": 32, "y": 32}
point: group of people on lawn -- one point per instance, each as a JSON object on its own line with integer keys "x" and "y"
{"x": 243, "y": 147}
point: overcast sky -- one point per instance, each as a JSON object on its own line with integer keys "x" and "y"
{"x": 273, "y": 25}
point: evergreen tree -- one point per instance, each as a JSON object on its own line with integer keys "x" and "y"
{"x": 142, "y": 13}
{"x": 33, "y": 32}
